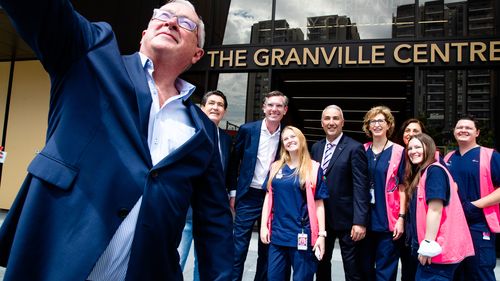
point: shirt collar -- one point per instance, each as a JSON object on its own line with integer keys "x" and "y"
{"x": 336, "y": 140}
{"x": 185, "y": 89}
{"x": 263, "y": 127}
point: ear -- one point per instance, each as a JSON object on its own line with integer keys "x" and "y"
{"x": 197, "y": 55}
{"x": 285, "y": 110}
{"x": 142, "y": 36}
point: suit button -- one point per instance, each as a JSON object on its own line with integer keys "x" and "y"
{"x": 154, "y": 174}
{"x": 123, "y": 212}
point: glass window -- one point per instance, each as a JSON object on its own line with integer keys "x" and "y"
{"x": 449, "y": 94}
{"x": 456, "y": 18}
{"x": 244, "y": 92}
{"x": 327, "y": 20}
{"x": 248, "y": 22}
{"x": 234, "y": 86}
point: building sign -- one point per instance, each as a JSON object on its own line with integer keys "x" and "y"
{"x": 395, "y": 54}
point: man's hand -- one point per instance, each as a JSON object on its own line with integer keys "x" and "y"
{"x": 358, "y": 232}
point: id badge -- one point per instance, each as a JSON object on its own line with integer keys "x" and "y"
{"x": 302, "y": 241}
{"x": 372, "y": 195}
{"x": 486, "y": 236}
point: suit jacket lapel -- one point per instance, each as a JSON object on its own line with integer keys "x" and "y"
{"x": 338, "y": 150}
{"x": 143, "y": 94}
{"x": 222, "y": 141}
{"x": 256, "y": 137}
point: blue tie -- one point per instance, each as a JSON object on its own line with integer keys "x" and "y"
{"x": 327, "y": 156}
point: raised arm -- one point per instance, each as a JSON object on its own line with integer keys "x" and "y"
{"x": 53, "y": 29}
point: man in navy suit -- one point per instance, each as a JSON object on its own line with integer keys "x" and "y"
{"x": 214, "y": 104}
{"x": 255, "y": 148}
{"x": 345, "y": 169}
{"x": 126, "y": 154}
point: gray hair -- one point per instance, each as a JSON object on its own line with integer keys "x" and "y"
{"x": 333, "y": 106}
{"x": 201, "y": 26}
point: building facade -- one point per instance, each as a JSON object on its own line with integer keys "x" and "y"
{"x": 435, "y": 60}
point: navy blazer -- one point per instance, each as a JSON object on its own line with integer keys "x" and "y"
{"x": 226, "y": 143}
{"x": 244, "y": 157}
{"x": 347, "y": 181}
{"x": 96, "y": 164}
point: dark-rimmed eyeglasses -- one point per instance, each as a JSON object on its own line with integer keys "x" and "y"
{"x": 375, "y": 121}
{"x": 182, "y": 21}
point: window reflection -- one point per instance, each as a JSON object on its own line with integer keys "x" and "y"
{"x": 244, "y": 92}
{"x": 448, "y": 94}
{"x": 448, "y": 18}
{"x": 243, "y": 17}
{"x": 234, "y": 86}
{"x": 326, "y": 20}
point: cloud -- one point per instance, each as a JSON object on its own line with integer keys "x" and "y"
{"x": 234, "y": 86}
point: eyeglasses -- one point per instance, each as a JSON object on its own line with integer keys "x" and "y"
{"x": 375, "y": 121}
{"x": 182, "y": 21}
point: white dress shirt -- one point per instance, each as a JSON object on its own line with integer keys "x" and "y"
{"x": 268, "y": 146}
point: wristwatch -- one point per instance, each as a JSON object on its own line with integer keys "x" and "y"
{"x": 322, "y": 234}
{"x": 401, "y": 216}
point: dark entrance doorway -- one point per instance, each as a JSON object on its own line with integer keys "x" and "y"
{"x": 354, "y": 90}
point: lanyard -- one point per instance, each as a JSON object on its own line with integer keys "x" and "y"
{"x": 374, "y": 169}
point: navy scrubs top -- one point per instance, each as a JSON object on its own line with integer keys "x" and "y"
{"x": 465, "y": 172}
{"x": 290, "y": 207}
{"x": 377, "y": 169}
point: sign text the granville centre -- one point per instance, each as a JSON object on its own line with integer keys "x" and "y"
{"x": 390, "y": 54}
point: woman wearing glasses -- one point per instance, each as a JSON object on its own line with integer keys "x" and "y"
{"x": 386, "y": 171}
{"x": 437, "y": 229}
{"x": 293, "y": 210}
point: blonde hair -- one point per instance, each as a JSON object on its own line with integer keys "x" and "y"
{"x": 389, "y": 118}
{"x": 304, "y": 168}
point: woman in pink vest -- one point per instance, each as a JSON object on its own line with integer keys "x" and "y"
{"x": 385, "y": 171}
{"x": 409, "y": 128}
{"x": 437, "y": 229}
{"x": 293, "y": 215}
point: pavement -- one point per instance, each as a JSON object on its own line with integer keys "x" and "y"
{"x": 250, "y": 265}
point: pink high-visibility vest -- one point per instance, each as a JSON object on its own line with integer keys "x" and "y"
{"x": 453, "y": 235}
{"x": 491, "y": 213}
{"x": 311, "y": 204}
{"x": 392, "y": 200}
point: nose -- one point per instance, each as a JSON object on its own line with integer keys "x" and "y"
{"x": 172, "y": 23}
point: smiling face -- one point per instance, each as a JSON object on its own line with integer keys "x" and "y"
{"x": 411, "y": 130}
{"x": 378, "y": 126}
{"x": 274, "y": 108}
{"x": 290, "y": 141}
{"x": 214, "y": 108}
{"x": 166, "y": 38}
{"x": 332, "y": 123}
{"x": 415, "y": 151}
{"x": 466, "y": 132}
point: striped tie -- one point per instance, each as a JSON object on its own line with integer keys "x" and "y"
{"x": 327, "y": 156}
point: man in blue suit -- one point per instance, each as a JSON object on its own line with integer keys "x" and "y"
{"x": 214, "y": 104}
{"x": 345, "y": 169}
{"x": 126, "y": 154}
{"x": 255, "y": 148}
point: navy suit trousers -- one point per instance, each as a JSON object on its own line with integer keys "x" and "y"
{"x": 248, "y": 210}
